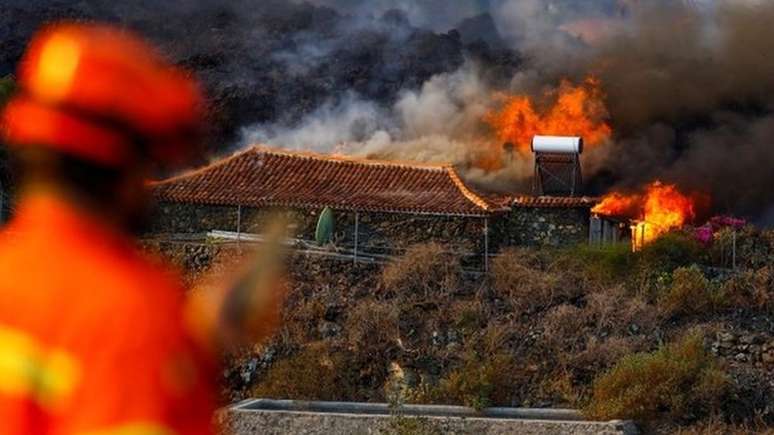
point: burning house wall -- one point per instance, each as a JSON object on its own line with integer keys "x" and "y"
{"x": 653, "y": 212}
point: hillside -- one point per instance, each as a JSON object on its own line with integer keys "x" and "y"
{"x": 663, "y": 336}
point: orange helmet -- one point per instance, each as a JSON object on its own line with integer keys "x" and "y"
{"x": 104, "y": 95}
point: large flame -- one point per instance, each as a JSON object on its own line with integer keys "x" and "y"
{"x": 659, "y": 209}
{"x": 577, "y": 110}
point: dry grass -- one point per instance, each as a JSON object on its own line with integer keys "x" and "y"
{"x": 315, "y": 373}
{"x": 612, "y": 308}
{"x": 546, "y": 328}
{"x": 678, "y": 379}
{"x": 752, "y": 289}
{"x": 479, "y": 382}
{"x": 423, "y": 269}
{"x": 715, "y": 426}
{"x": 599, "y": 355}
{"x": 520, "y": 277}
{"x": 372, "y": 326}
{"x": 561, "y": 325}
{"x": 467, "y": 316}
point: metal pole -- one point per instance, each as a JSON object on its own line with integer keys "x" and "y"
{"x": 239, "y": 224}
{"x": 357, "y": 223}
{"x": 574, "y": 174}
{"x": 733, "y": 251}
{"x": 486, "y": 245}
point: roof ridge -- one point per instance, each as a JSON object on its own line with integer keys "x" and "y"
{"x": 466, "y": 192}
{"x": 196, "y": 171}
{"x": 349, "y": 159}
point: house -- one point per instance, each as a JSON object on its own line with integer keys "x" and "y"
{"x": 379, "y": 206}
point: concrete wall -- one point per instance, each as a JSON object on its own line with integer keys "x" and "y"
{"x": 290, "y": 417}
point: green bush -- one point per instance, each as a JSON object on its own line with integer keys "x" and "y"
{"x": 605, "y": 264}
{"x": 679, "y": 379}
{"x": 670, "y": 251}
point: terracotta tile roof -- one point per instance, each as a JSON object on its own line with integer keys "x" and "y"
{"x": 269, "y": 177}
{"x": 554, "y": 201}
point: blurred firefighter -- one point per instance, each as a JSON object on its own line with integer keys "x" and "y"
{"x": 95, "y": 338}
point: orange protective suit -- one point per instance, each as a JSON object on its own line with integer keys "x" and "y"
{"x": 92, "y": 335}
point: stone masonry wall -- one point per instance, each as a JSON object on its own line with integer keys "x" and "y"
{"x": 378, "y": 232}
{"x": 389, "y": 232}
{"x": 541, "y": 227}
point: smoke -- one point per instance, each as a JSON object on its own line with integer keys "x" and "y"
{"x": 351, "y": 119}
{"x": 689, "y": 85}
{"x": 435, "y": 15}
{"x": 435, "y": 123}
{"x": 693, "y": 106}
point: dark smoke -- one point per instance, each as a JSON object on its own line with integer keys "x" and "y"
{"x": 693, "y": 104}
{"x": 689, "y": 84}
{"x": 268, "y": 61}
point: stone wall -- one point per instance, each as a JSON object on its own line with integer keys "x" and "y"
{"x": 390, "y": 232}
{"x": 377, "y": 232}
{"x": 525, "y": 226}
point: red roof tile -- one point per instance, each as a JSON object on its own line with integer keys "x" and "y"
{"x": 268, "y": 177}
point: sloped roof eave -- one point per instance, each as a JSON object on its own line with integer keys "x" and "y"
{"x": 203, "y": 186}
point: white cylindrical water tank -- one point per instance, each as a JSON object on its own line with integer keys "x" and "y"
{"x": 557, "y": 144}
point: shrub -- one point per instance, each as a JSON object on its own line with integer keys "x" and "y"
{"x": 519, "y": 278}
{"x": 612, "y": 309}
{"x": 562, "y": 326}
{"x": 600, "y": 354}
{"x": 750, "y": 289}
{"x": 467, "y": 316}
{"x": 480, "y": 382}
{"x": 605, "y": 264}
{"x": 372, "y": 323}
{"x": 679, "y": 379}
{"x": 689, "y": 293}
{"x": 423, "y": 269}
{"x": 315, "y": 373}
{"x": 670, "y": 251}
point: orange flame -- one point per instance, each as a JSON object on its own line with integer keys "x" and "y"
{"x": 661, "y": 208}
{"x": 578, "y": 110}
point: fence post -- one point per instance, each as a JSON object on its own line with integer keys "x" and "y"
{"x": 733, "y": 250}
{"x": 357, "y": 223}
{"x": 486, "y": 244}
{"x": 239, "y": 224}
